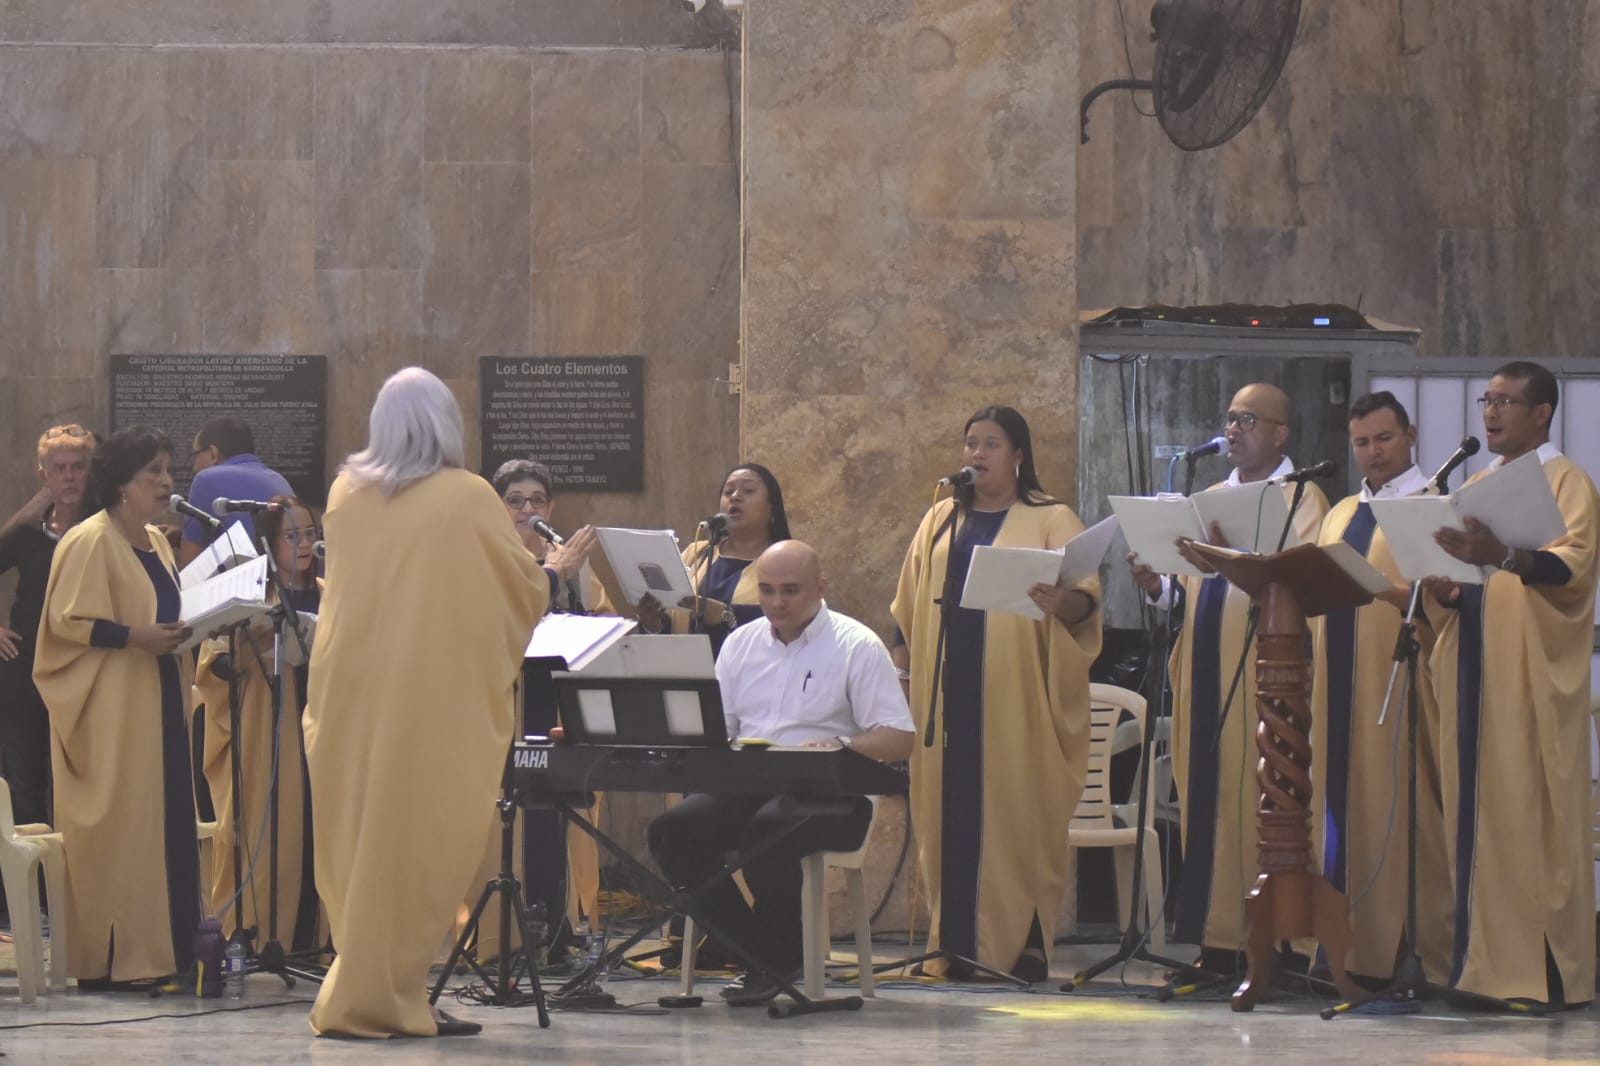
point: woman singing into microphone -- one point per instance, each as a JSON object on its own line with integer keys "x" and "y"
{"x": 753, "y": 503}
{"x": 991, "y": 803}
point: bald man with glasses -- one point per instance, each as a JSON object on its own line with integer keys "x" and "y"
{"x": 1218, "y": 793}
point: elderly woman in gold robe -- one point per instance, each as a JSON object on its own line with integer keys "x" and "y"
{"x": 429, "y": 604}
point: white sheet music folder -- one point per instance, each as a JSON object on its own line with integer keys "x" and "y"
{"x": 1152, "y": 524}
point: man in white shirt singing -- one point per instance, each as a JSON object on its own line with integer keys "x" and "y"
{"x": 806, "y": 676}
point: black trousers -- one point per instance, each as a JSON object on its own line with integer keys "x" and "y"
{"x": 25, "y": 741}
{"x": 690, "y": 843}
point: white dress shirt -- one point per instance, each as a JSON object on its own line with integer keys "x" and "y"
{"x": 1410, "y": 483}
{"x": 1547, "y": 452}
{"x": 834, "y": 680}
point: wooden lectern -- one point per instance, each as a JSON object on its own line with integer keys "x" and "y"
{"x": 1289, "y": 897}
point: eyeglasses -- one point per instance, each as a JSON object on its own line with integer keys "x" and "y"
{"x": 1246, "y": 420}
{"x": 298, "y": 536}
{"x": 65, "y": 431}
{"x": 517, "y": 503}
{"x": 1499, "y": 403}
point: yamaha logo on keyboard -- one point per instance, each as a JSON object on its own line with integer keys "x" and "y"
{"x": 532, "y": 759}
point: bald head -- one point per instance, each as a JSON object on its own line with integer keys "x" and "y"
{"x": 1257, "y": 429}
{"x": 791, "y": 586}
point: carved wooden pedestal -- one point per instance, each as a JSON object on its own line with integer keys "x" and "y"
{"x": 1289, "y": 898}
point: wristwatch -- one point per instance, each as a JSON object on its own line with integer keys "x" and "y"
{"x": 727, "y": 616}
{"x": 1510, "y": 561}
{"x": 844, "y": 741}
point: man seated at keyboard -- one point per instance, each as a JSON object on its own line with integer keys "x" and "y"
{"x": 804, "y": 676}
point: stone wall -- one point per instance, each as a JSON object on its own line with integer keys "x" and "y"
{"x": 1426, "y": 158}
{"x": 381, "y": 182}
{"x": 909, "y": 235}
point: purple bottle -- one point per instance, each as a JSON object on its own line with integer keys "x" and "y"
{"x": 208, "y": 948}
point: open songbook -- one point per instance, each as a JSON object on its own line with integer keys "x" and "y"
{"x": 646, "y": 561}
{"x": 230, "y": 548}
{"x": 576, "y": 639}
{"x": 1251, "y": 518}
{"x": 1515, "y": 502}
{"x": 232, "y": 597}
{"x": 999, "y": 578}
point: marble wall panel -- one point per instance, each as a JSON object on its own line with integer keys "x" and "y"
{"x": 148, "y": 123}
{"x": 1485, "y": 278}
{"x": 42, "y": 90}
{"x": 260, "y": 291}
{"x": 258, "y": 104}
{"x": 164, "y": 22}
{"x": 582, "y": 314}
{"x": 1385, "y": 172}
{"x": 372, "y": 322}
{"x": 987, "y": 102}
{"x": 155, "y": 311}
{"x": 478, "y": 108}
{"x": 681, "y": 120}
{"x": 689, "y": 304}
{"x": 586, "y": 178}
{"x": 47, "y": 282}
{"x": 828, "y": 55}
{"x": 476, "y": 282}
{"x": 368, "y": 142}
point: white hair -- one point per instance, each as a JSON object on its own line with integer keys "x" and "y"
{"x": 414, "y": 431}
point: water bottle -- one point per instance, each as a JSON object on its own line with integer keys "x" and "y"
{"x": 594, "y": 952}
{"x": 235, "y": 959}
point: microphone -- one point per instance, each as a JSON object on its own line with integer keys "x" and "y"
{"x": 1210, "y": 447}
{"x": 1469, "y": 447}
{"x": 222, "y": 505}
{"x": 184, "y": 507}
{"x": 960, "y": 479}
{"x": 541, "y": 527}
{"x": 319, "y": 548}
{"x": 1305, "y": 473}
{"x": 716, "y": 526}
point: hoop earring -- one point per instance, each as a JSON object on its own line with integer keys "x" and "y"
{"x": 1017, "y": 473}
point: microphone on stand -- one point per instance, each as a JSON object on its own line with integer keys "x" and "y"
{"x": 1210, "y": 447}
{"x": 184, "y": 507}
{"x": 319, "y": 549}
{"x": 1469, "y": 447}
{"x": 222, "y": 505}
{"x": 1305, "y": 473}
{"x": 960, "y": 479}
{"x": 716, "y": 527}
{"x": 541, "y": 527}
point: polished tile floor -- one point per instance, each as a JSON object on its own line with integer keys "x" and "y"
{"x": 909, "y": 1021}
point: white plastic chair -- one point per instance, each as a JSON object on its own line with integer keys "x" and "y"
{"x": 24, "y": 849}
{"x": 1096, "y": 823}
{"x": 815, "y": 932}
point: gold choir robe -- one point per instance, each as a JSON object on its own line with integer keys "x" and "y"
{"x": 1359, "y": 768}
{"x": 430, "y": 601}
{"x": 106, "y": 752}
{"x": 1031, "y": 681}
{"x": 1217, "y": 790}
{"x": 255, "y": 771}
{"x": 1511, "y": 667}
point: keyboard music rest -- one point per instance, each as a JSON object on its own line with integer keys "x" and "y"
{"x": 568, "y": 769}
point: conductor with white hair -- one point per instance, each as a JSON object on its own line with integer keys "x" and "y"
{"x": 430, "y": 599}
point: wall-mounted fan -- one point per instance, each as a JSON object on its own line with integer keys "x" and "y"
{"x": 1216, "y": 62}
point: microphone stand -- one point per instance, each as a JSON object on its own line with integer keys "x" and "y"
{"x": 271, "y": 957}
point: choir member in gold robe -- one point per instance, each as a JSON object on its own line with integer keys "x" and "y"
{"x": 247, "y": 656}
{"x": 1511, "y": 667}
{"x": 118, "y": 696}
{"x": 1217, "y": 786}
{"x": 559, "y": 864}
{"x": 992, "y": 796}
{"x": 752, "y": 502}
{"x": 429, "y": 605}
{"x": 1359, "y": 767}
